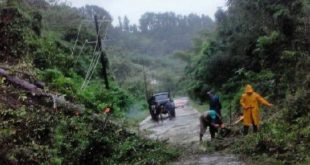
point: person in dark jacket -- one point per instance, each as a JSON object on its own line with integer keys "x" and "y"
{"x": 212, "y": 120}
{"x": 215, "y": 104}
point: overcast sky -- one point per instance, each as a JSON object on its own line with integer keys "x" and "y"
{"x": 133, "y": 9}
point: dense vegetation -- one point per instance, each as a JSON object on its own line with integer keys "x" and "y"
{"x": 34, "y": 133}
{"x": 44, "y": 41}
{"x": 264, "y": 43}
{"x": 158, "y": 44}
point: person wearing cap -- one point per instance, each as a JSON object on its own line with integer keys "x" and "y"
{"x": 212, "y": 120}
{"x": 250, "y": 101}
{"x": 214, "y": 103}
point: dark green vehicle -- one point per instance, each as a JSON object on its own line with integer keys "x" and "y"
{"x": 161, "y": 103}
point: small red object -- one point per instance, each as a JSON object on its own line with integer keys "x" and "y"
{"x": 107, "y": 110}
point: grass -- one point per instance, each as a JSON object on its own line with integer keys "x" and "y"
{"x": 199, "y": 107}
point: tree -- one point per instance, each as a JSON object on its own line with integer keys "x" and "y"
{"x": 89, "y": 11}
{"x": 126, "y": 25}
{"x": 254, "y": 36}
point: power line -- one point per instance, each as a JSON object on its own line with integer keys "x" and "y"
{"x": 92, "y": 63}
{"x": 95, "y": 59}
{"x": 81, "y": 51}
{"x": 77, "y": 38}
{"x": 95, "y": 56}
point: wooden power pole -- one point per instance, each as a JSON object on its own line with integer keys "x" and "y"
{"x": 103, "y": 56}
{"x": 145, "y": 83}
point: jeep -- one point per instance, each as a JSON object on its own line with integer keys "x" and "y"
{"x": 161, "y": 103}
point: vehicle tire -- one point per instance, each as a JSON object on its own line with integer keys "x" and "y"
{"x": 154, "y": 117}
{"x": 172, "y": 109}
{"x": 153, "y": 113}
{"x": 169, "y": 106}
{"x": 173, "y": 112}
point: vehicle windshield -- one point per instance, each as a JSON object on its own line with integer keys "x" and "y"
{"x": 161, "y": 97}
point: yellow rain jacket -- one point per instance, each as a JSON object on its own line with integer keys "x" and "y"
{"x": 250, "y": 101}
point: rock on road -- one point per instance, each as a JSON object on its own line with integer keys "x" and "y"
{"x": 184, "y": 130}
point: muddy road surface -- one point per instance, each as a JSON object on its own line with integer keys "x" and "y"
{"x": 184, "y": 131}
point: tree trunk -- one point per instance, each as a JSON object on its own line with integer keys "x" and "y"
{"x": 58, "y": 101}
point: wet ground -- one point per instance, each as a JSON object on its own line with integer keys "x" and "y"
{"x": 184, "y": 131}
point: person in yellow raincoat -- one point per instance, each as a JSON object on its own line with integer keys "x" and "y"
{"x": 250, "y": 102}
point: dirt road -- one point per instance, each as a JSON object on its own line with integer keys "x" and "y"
{"x": 184, "y": 130}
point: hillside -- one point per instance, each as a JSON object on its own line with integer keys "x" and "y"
{"x": 72, "y": 87}
{"x": 54, "y": 121}
{"x": 265, "y": 44}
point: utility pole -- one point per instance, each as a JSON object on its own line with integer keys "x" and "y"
{"x": 103, "y": 56}
{"x": 230, "y": 114}
{"x": 145, "y": 82}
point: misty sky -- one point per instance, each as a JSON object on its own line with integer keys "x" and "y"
{"x": 133, "y": 9}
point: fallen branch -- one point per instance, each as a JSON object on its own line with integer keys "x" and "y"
{"x": 58, "y": 101}
{"x": 17, "y": 71}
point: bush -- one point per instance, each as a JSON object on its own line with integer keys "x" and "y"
{"x": 35, "y": 134}
{"x": 15, "y": 26}
{"x": 94, "y": 96}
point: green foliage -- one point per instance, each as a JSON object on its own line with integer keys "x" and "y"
{"x": 290, "y": 56}
{"x": 27, "y": 136}
{"x": 260, "y": 43}
{"x": 282, "y": 141}
{"x": 152, "y": 44}
{"x": 14, "y": 26}
{"x": 284, "y": 138}
{"x": 56, "y": 61}
{"x": 249, "y": 48}
{"x": 95, "y": 96}
{"x": 159, "y": 33}
{"x": 265, "y": 41}
{"x": 32, "y": 132}
{"x": 48, "y": 53}
{"x": 298, "y": 102}
{"x": 57, "y": 81}
{"x": 38, "y": 135}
